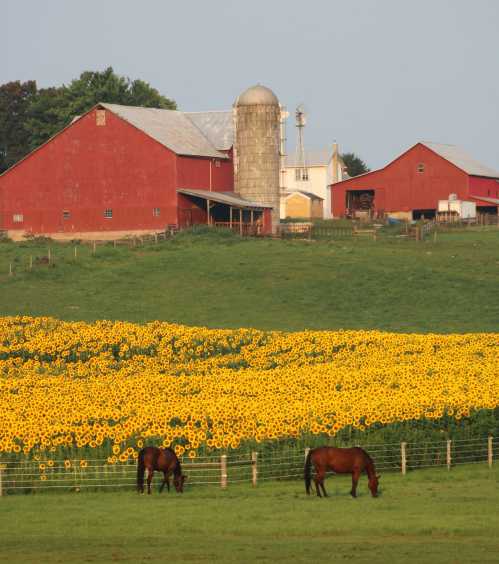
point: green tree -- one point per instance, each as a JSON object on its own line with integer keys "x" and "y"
{"x": 355, "y": 165}
{"x": 15, "y": 98}
{"x": 53, "y": 108}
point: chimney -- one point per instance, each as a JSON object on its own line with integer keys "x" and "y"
{"x": 335, "y": 163}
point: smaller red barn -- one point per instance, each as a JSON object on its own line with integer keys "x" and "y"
{"x": 411, "y": 185}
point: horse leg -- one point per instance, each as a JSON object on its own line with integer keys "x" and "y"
{"x": 355, "y": 480}
{"x": 319, "y": 481}
{"x": 316, "y": 480}
{"x": 165, "y": 480}
{"x": 322, "y": 486}
{"x": 150, "y": 473}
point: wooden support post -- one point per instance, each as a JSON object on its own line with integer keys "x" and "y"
{"x": 76, "y": 252}
{"x": 241, "y": 221}
{"x": 490, "y": 451}
{"x": 230, "y": 216}
{"x": 254, "y": 468}
{"x": 208, "y": 212}
{"x": 49, "y": 255}
{"x": 223, "y": 471}
{"x": 93, "y": 248}
{"x": 403, "y": 456}
{"x": 10, "y": 269}
{"x": 449, "y": 456}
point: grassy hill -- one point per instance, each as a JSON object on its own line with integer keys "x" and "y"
{"x": 219, "y": 280}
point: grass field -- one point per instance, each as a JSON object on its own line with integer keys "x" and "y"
{"x": 430, "y": 516}
{"x": 222, "y": 281}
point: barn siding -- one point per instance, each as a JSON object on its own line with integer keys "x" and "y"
{"x": 86, "y": 169}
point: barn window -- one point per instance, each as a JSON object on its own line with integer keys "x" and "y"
{"x": 18, "y": 218}
{"x": 66, "y": 214}
{"x": 100, "y": 117}
{"x": 108, "y": 214}
{"x": 420, "y": 167}
{"x": 156, "y": 212}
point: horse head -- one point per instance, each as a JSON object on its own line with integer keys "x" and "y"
{"x": 373, "y": 484}
{"x": 178, "y": 482}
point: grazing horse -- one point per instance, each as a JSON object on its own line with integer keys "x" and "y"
{"x": 163, "y": 460}
{"x": 341, "y": 461}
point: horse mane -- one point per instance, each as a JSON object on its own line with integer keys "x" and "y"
{"x": 370, "y": 469}
{"x": 177, "y": 470}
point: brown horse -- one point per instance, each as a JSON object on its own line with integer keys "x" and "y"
{"x": 163, "y": 460}
{"x": 341, "y": 461}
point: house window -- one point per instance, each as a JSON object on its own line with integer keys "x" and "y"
{"x": 66, "y": 214}
{"x": 156, "y": 212}
{"x": 301, "y": 174}
{"x": 18, "y": 218}
{"x": 100, "y": 117}
{"x": 108, "y": 214}
{"x": 420, "y": 167}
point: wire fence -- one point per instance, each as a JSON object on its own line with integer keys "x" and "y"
{"x": 24, "y": 476}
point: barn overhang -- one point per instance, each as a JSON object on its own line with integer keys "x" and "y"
{"x": 226, "y": 198}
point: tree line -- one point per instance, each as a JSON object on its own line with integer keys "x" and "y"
{"x": 29, "y": 115}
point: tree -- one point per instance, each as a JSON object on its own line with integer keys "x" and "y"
{"x": 15, "y": 98}
{"x": 354, "y": 164}
{"x": 52, "y": 109}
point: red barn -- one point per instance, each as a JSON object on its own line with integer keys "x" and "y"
{"x": 411, "y": 185}
{"x": 118, "y": 170}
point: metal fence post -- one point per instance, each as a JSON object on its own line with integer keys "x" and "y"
{"x": 223, "y": 471}
{"x": 449, "y": 457}
{"x": 490, "y": 451}
{"x": 254, "y": 468}
{"x": 403, "y": 457}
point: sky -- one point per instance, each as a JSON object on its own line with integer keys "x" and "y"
{"x": 377, "y": 76}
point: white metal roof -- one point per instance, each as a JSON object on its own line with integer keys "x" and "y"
{"x": 321, "y": 157}
{"x": 171, "y": 128}
{"x": 229, "y": 198}
{"x": 217, "y": 126}
{"x": 461, "y": 159}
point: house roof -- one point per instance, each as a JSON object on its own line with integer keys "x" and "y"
{"x": 320, "y": 157}
{"x": 309, "y": 195}
{"x": 171, "y": 128}
{"x": 460, "y": 158}
{"x": 217, "y": 126}
{"x": 228, "y": 198}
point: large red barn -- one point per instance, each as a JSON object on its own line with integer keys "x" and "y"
{"x": 119, "y": 170}
{"x": 411, "y": 185}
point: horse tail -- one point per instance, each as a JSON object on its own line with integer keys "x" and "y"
{"x": 307, "y": 473}
{"x": 140, "y": 471}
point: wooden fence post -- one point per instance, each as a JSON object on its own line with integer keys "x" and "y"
{"x": 10, "y": 269}
{"x": 254, "y": 468}
{"x": 31, "y": 262}
{"x": 449, "y": 457}
{"x": 49, "y": 255}
{"x": 93, "y": 248}
{"x": 403, "y": 457}
{"x": 490, "y": 451}
{"x": 76, "y": 253}
{"x": 1, "y": 485}
{"x": 223, "y": 471}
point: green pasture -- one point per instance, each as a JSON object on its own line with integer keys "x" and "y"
{"x": 426, "y": 516}
{"x": 220, "y": 280}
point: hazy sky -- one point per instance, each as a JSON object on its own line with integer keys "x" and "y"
{"x": 376, "y": 75}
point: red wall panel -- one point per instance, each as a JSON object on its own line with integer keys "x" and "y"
{"x": 479, "y": 186}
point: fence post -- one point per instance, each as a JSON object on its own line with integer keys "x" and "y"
{"x": 76, "y": 253}
{"x": 489, "y": 451}
{"x": 49, "y": 255}
{"x": 449, "y": 457}
{"x": 1, "y": 485}
{"x": 223, "y": 471}
{"x": 93, "y": 248}
{"x": 31, "y": 262}
{"x": 254, "y": 468}
{"x": 403, "y": 457}
{"x": 10, "y": 269}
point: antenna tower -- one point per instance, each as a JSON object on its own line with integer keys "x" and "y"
{"x": 301, "y": 165}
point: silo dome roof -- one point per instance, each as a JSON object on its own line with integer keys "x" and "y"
{"x": 257, "y": 96}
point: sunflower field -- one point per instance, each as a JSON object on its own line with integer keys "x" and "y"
{"x": 110, "y": 387}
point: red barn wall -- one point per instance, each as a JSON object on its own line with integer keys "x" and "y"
{"x": 487, "y": 187}
{"x": 400, "y": 187}
{"x": 87, "y": 169}
{"x": 202, "y": 173}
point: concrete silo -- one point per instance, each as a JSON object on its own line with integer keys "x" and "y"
{"x": 257, "y": 117}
